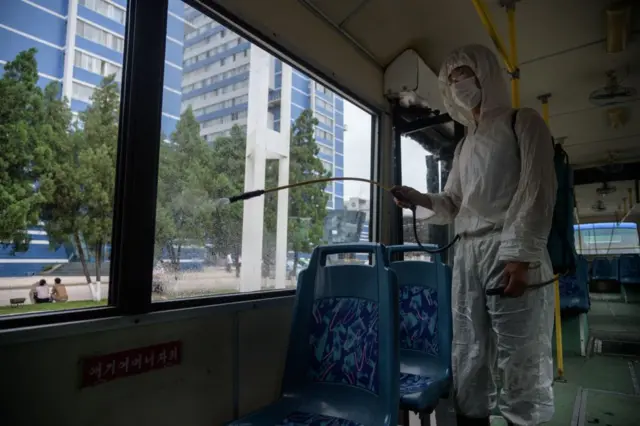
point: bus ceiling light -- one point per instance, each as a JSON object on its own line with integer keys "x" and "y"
{"x": 618, "y": 26}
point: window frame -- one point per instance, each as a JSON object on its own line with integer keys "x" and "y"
{"x": 133, "y": 235}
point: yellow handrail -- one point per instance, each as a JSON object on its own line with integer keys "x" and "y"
{"x": 486, "y": 20}
{"x": 511, "y": 61}
{"x": 556, "y": 284}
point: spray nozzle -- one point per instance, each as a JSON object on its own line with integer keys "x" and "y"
{"x": 221, "y": 202}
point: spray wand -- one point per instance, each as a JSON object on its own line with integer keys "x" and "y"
{"x": 256, "y": 193}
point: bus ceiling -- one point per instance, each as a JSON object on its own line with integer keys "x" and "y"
{"x": 579, "y": 58}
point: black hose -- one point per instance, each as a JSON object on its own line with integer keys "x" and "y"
{"x": 498, "y": 291}
{"x": 423, "y": 248}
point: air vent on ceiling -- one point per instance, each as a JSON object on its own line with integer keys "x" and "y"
{"x": 606, "y": 189}
{"x": 613, "y": 93}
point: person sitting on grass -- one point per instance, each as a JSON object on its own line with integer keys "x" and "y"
{"x": 42, "y": 293}
{"x": 59, "y": 293}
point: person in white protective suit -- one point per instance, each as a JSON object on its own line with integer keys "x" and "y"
{"x": 500, "y": 194}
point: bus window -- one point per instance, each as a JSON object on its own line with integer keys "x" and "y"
{"x": 58, "y": 171}
{"x": 606, "y": 238}
{"x": 414, "y": 174}
{"x": 203, "y": 250}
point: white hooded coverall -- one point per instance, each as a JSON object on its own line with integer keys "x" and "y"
{"x": 501, "y": 194}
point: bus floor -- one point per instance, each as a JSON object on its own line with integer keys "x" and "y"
{"x": 600, "y": 389}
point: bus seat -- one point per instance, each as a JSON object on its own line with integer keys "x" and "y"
{"x": 602, "y": 269}
{"x": 574, "y": 289}
{"x": 629, "y": 269}
{"x": 425, "y": 330}
{"x": 343, "y": 357}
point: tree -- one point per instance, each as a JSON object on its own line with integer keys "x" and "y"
{"x": 184, "y": 203}
{"x": 24, "y": 156}
{"x": 65, "y": 212}
{"x": 97, "y": 169}
{"x": 227, "y": 179}
{"x": 307, "y": 204}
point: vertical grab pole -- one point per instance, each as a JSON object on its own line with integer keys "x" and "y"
{"x": 513, "y": 56}
{"x": 556, "y": 285}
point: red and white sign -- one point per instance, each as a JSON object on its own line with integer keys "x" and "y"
{"x": 105, "y": 368}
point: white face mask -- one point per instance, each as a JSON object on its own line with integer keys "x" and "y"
{"x": 466, "y": 93}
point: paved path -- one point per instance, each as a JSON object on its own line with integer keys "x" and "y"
{"x": 212, "y": 280}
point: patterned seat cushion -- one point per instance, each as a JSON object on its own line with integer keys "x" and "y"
{"x": 344, "y": 341}
{"x": 412, "y": 383}
{"x": 419, "y": 319}
{"x": 309, "y": 419}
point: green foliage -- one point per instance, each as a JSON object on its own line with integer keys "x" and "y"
{"x": 25, "y": 153}
{"x": 97, "y": 165}
{"x": 79, "y": 189}
{"x": 227, "y": 179}
{"x": 307, "y": 204}
{"x": 183, "y": 204}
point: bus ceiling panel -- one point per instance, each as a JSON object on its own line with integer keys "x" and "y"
{"x": 572, "y": 76}
{"x": 609, "y": 153}
{"x": 310, "y": 41}
{"x": 387, "y": 28}
{"x": 608, "y": 173}
{"x": 596, "y": 135}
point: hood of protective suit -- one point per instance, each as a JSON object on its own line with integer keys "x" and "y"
{"x": 492, "y": 78}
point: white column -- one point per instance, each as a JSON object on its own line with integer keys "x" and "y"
{"x": 70, "y": 50}
{"x": 283, "y": 177}
{"x": 253, "y": 213}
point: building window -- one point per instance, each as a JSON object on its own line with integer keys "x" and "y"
{"x": 96, "y": 65}
{"x": 82, "y": 92}
{"x": 323, "y": 134}
{"x": 324, "y": 104}
{"x": 218, "y": 77}
{"x": 99, "y": 36}
{"x": 325, "y": 150}
{"x": 327, "y": 166}
{"x": 324, "y": 90}
{"x": 107, "y": 9}
{"x": 323, "y": 119}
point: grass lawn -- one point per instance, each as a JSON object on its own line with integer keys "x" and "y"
{"x": 41, "y": 307}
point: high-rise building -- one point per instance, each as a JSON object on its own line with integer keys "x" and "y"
{"x": 361, "y": 205}
{"x": 79, "y": 42}
{"x": 216, "y": 85}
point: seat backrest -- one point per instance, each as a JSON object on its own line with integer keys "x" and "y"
{"x": 629, "y": 267}
{"x": 601, "y": 269}
{"x": 425, "y": 304}
{"x": 344, "y": 331}
{"x": 574, "y": 288}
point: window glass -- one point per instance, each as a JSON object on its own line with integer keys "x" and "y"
{"x": 606, "y": 238}
{"x": 203, "y": 249}
{"x": 59, "y": 146}
{"x": 414, "y": 174}
{"x": 109, "y": 39}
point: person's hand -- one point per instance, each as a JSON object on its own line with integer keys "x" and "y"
{"x": 405, "y": 197}
{"x": 515, "y": 276}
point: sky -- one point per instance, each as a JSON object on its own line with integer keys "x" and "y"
{"x": 357, "y": 155}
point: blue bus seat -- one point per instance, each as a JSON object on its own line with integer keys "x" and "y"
{"x": 343, "y": 356}
{"x": 425, "y": 330}
{"x": 574, "y": 289}
{"x": 603, "y": 269}
{"x": 629, "y": 269}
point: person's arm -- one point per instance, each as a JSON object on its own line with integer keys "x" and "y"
{"x": 530, "y": 214}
